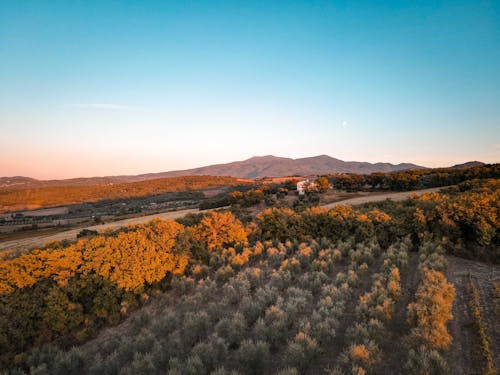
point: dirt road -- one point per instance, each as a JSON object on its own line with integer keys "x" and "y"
{"x": 28, "y": 243}
{"x": 38, "y": 241}
{"x": 378, "y": 197}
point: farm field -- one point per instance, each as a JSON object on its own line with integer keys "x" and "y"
{"x": 249, "y": 188}
{"x": 38, "y": 241}
{"x": 376, "y": 288}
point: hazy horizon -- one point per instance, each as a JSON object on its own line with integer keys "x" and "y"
{"x": 230, "y": 161}
{"x": 98, "y": 89}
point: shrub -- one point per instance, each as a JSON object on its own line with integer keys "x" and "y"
{"x": 223, "y": 371}
{"x": 254, "y": 306}
{"x": 280, "y": 279}
{"x": 193, "y": 366}
{"x": 165, "y": 324}
{"x": 324, "y": 330}
{"x": 364, "y": 332}
{"x": 253, "y": 356}
{"x": 425, "y": 361}
{"x": 288, "y": 371}
{"x": 273, "y": 327}
{"x": 362, "y": 355}
{"x": 71, "y": 362}
{"x": 212, "y": 352}
{"x": 224, "y": 273}
{"x": 195, "y": 327}
{"x": 142, "y": 364}
{"x": 232, "y": 329}
{"x": 301, "y": 351}
{"x": 313, "y": 281}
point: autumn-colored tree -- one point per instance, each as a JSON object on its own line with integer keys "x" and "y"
{"x": 131, "y": 259}
{"x": 143, "y": 254}
{"x": 218, "y": 229}
{"x": 323, "y": 184}
{"x": 279, "y": 223}
{"x": 431, "y": 311}
{"x": 60, "y": 315}
{"x": 475, "y": 215}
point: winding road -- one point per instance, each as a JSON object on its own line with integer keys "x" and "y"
{"x": 38, "y": 241}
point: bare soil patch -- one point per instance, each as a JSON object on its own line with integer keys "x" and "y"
{"x": 465, "y": 355}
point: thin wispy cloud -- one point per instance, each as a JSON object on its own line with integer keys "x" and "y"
{"x": 103, "y": 106}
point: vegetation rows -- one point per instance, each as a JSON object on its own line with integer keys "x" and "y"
{"x": 480, "y": 326}
{"x": 258, "y": 296}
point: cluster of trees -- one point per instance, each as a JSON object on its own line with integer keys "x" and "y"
{"x": 245, "y": 298}
{"x": 429, "y": 313}
{"x": 248, "y": 198}
{"x": 264, "y": 317}
{"x": 67, "y": 293}
{"x": 19, "y": 199}
{"x": 412, "y": 179}
{"x": 129, "y": 259}
{"x": 466, "y": 217}
{"x": 244, "y": 197}
{"x": 373, "y": 312}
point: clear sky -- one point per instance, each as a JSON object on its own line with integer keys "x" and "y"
{"x": 125, "y": 87}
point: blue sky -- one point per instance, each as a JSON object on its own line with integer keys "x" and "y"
{"x": 124, "y": 87}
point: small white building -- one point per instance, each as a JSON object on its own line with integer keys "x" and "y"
{"x": 302, "y": 187}
{"x": 306, "y": 186}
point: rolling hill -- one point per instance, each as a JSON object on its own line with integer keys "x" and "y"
{"x": 273, "y": 166}
{"x": 255, "y": 167}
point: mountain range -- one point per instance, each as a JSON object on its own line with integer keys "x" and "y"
{"x": 273, "y": 166}
{"x": 255, "y": 167}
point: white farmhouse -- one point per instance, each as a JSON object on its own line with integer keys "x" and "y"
{"x": 302, "y": 186}
{"x": 306, "y": 186}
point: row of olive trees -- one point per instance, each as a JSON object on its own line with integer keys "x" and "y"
{"x": 373, "y": 312}
{"x": 279, "y": 307}
{"x": 429, "y": 313}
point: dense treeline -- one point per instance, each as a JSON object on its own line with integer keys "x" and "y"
{"x": 466, "y": 218}
{"x": 412, "y": 179}
{"x": 66, "y": 293}
{"x": 18, "y": 199}
{"x": 270, "y": 294}
{"x": 272, "y": 306}
{"x": 247, "y": 197}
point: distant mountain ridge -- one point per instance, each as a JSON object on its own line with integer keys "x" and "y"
{"x": 255, "y": 167}
{"x": 469, "y": 164}
{"x": 273, "y": 166}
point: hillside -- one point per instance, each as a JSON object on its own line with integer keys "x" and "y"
{"x": 46, "y": 196}
{"x": 256, "y": 167}
{"x": 375, "y": 289}
{"x": 469, "y": 164}
{"x": 273, "y": 166}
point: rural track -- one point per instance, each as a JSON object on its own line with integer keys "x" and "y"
{"x": 31, "y": 242}
{"x": 39, "y": 241}
{"x": 379, "y": 197}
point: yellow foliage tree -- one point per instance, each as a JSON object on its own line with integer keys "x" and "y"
{"x": 431, "y": 310}
{"x": 142, "y": 254}
{"x": 217, "y": 229}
